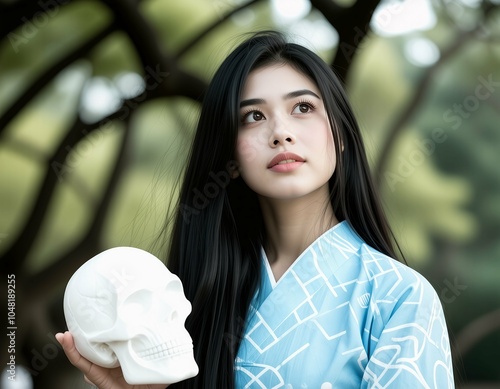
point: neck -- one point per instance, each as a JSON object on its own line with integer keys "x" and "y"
{"x": 292, "y": 225}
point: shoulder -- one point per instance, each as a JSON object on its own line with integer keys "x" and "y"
{"x": 407, "y": 326}
{"x": 400, "y": 294}
{"x": 388, "y": 283}
{"x": 348, "y": 257}
{"x": 391, "y": 277}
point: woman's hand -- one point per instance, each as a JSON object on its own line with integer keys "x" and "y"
{"x": 101, "y": 377}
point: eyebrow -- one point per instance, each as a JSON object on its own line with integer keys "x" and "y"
{"x": 288, "y": 96}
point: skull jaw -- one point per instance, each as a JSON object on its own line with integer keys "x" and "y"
{"x": 166, "y": 370}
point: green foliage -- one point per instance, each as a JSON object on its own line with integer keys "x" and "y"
{"x": 28, "y": 51}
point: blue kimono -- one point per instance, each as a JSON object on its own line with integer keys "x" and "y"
{"x": 344, "y": 316}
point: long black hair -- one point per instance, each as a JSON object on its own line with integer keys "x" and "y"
{"x": 218, "y": 229}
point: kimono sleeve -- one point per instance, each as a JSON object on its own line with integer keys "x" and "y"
{"x": 412, "y": 349}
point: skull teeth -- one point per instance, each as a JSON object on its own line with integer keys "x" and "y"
{"x": 164, "y": 350}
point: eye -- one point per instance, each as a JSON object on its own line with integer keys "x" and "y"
{"x": 252, "y": 117}
{"x": 304, "y": 107}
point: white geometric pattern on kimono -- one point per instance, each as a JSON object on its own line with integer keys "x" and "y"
{"x": 344, "y": 316}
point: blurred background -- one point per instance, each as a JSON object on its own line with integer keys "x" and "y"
{"x": 98, "y": 105}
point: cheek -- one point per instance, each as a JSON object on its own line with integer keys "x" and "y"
{"x": 326, "y": 143}
{"x": 330, "y": 147}
{"x": 245, "y": 151}
{"x": 323, "y": 137}
{"x": 330, "y": 144}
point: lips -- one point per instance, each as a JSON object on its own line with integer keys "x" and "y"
{"x": 284, "y": 158}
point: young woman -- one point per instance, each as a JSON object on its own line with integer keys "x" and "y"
{"x": 282, "y": 245}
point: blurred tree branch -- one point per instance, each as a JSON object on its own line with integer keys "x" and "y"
{"x": 350, "y": 36}
{"x": 21, "y": 246}
{"x": 202, "y": 34}
{"x": 159, "y": 66}
{"x": 414, "y": 104}
{"x": 63, "y": 267}
{"x": 352, "y": 24}
{"x": 50, "y": 74}
{"x": 175, "y": 81}
{"x": 15, "y": 14}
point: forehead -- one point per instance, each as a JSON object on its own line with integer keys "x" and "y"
{"x": 276, "y": 79}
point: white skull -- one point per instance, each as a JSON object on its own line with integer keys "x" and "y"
{"x": 124, "y": 307}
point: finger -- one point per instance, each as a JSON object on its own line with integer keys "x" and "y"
{"x": 72, "y": 353}
{"x": 85, "y": 378}
{"x": 59, "y": 337}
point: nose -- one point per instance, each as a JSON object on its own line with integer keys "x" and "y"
{"x": 281, "y": 133}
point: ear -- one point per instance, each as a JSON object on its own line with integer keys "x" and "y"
{"x": 235, "y": 173}
{"x": 232, "y": 168}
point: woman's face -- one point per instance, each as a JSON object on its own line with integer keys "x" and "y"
{"x": 285, "y": 146}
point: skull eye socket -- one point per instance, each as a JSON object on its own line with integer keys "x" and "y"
{"x": 137, "y": 304}
{"x": 174, "y": 287}
{"x": 173, "y": 297}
